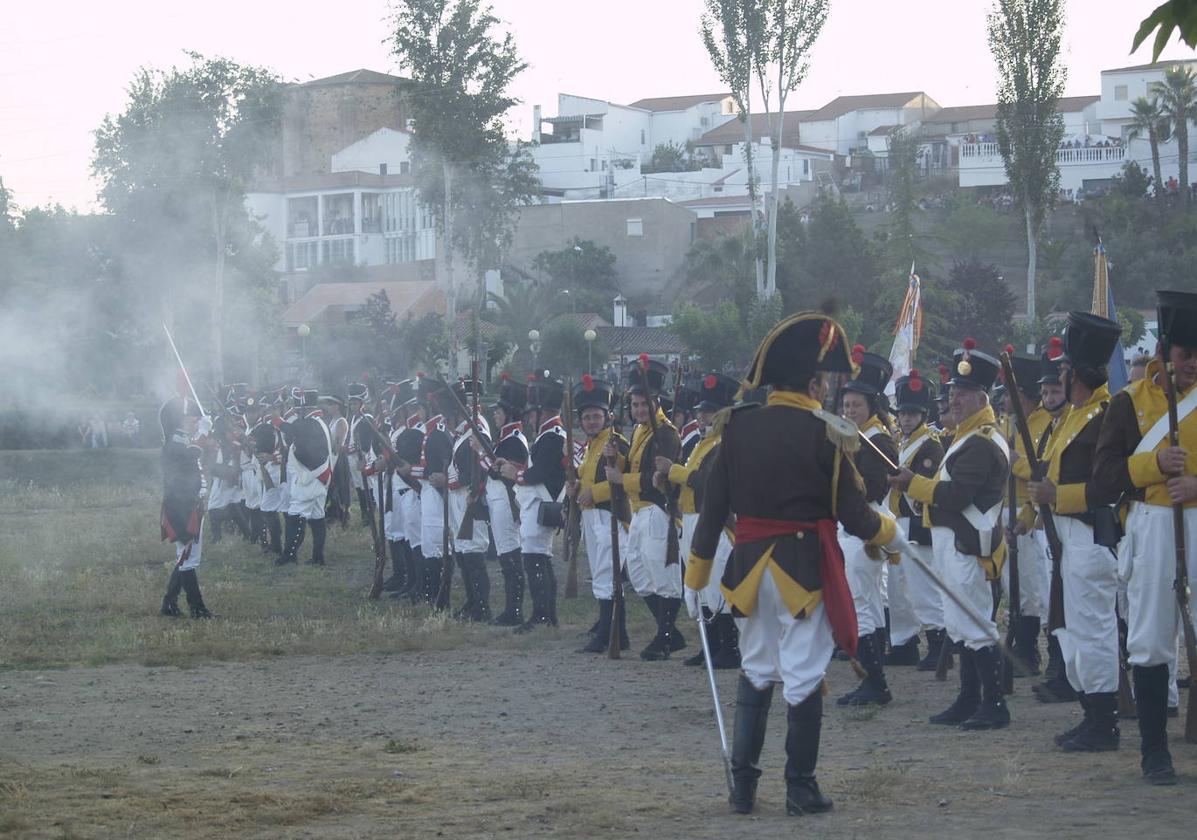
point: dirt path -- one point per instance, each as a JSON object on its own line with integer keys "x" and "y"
{"x": 541, "y": 743}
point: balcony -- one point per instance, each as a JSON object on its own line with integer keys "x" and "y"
{"x": 981, "y": 165}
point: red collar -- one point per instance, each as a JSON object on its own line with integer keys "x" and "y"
{"x": 553, "y": 422}
{"x": 413, "y": 421}
{"x": 690, "y": 428}
{"x": 510, "y": 429}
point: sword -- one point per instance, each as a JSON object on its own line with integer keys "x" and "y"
{"x": 723, "y": 750}
{"x": 183, "y": 368}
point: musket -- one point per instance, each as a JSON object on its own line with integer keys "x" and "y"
{"x": 671, "y": 542}
{"x": 1181, "y": 584}
{"x": 466, "y": 530}
{"x": 1014, "y": 605}
{"x": 617, "y": 503}
{"x": 571, "y": 515}
{"x": 443, "y": 596}
{"x": 1055, "y": 613}
{"x": 183, "y": 368}
{"x": 490, "y": 453}
{"x": 376, "y": 528}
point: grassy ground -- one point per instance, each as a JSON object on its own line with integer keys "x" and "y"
{"x": 84, "y": 572}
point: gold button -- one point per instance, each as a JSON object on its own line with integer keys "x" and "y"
{"x": 801, "y": 535}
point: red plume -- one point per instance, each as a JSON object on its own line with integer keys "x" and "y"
{"x": 505, "y": 376}
{"x": 1010, "y": 349}
{"x": 1055, "y": 347}
{"x": 587, "y": 382}
{"x": 710, "y": 381}
{"x": 531, "y": 377}
{"x": 644, "y": 360}
{"x": 914, "y": 373}
{"x": 858, "y": 351}
{"x": 420, "y": 374}
{"x": 970, "y": 343}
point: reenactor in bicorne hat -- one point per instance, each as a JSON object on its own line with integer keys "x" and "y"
{"x": 309, "y": 471}
{"x": 1087, "y": 524}
{"x": 1135, "y": 457}
{"x": 501, "y": 498}
{"x": 715, "y": 393}
{"x": 782, "y": 471}
{"x": 185, "y": 431}
{"x": 467, "y": 498}
{"x": 963, "y": 505}
{"x": 863, "y": 403}
{"x": 654, "y": 573}
{"x": 538, "y": 488}
{"x": 592, "y": 400}
{"x": 915, "y": 602}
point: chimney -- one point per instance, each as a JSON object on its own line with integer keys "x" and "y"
{"x": 535, "y": 123}
{"x": 620, "y": 318}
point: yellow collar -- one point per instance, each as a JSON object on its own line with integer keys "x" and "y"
{"x": 793, "y": 399}
{"x": 984, "y": 417}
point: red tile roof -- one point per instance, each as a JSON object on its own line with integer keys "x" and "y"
{"x": 732, "y": 131}
{"x": 677, "y": 103}
{"x": 963, "y": 113}
{"x": 357, "y": 77}
{"x": 415, "y": 297}
{"x": 1072, "y": 104}
{"x": 846, "y": 104}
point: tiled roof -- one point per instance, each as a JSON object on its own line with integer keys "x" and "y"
{"x": 963, "y": 113}
{"x": 629, "y": 341}
{"x": 1072, "y": 104}
{"x": 882, "y": 130}
{"x": 414, "y": 297}
{"x": 583, "y": 320}
{"x": 1159, "y": 65}
{"x": 677, "y": 103}
{"x": 357, "y": 76}
{"x": 846, "y": 104}
{"x": 732, "y": 131}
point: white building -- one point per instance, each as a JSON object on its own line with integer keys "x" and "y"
{"x": 843, "y": 125}
{"x": 363, "y": 211}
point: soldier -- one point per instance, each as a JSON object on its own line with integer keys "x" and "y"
{"x": 964, "y": 507}
{"x": 538, "y": 487}
{"x": 1033, "y": 563}
{"x": 592, "y": 399}
{"x": 359, "y": 395}
{"x": 1134, "y": 457}
{"x": 785, "y": 480}
{"x": 185, "y": 430}
{"x": 398, "y": 394}
{"x": 863, "y": 403}
{"x": 339, "y": 497}
{"x": 265, "y": 441}
{"x": 467, "y": 498}
{"x": 409, "y": 443}
{"x": 224, "y": 491}
{"x": 915, "y": 601}
{"x": 652, "y": 561}
{"x": 1084, "y": 520}
{"x": 309, "y": 470}
{"x": 431, "y": 471}
{"x": 512, "y": 446}
{"x": 717, "y": 392}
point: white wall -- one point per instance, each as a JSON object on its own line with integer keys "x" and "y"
{"x": 383, "y": 146}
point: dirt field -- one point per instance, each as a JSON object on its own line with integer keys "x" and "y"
{"x": 292, "y": 717}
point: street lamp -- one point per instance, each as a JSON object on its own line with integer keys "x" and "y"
{"x": 534, "y": 346}
{"x": 590, "y": 336}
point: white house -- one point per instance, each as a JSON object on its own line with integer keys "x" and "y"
{"x": 843, "y": 124}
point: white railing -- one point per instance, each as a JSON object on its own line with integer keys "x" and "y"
{"x": 987, "y": 154}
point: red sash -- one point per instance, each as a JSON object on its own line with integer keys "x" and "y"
{"x": 837, "y": 597}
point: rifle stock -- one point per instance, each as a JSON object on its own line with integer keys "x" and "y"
{"x": 1014, "y": 605}
{"x": 1055, "y": 615}
{"x": 1181, "y": 584}
{"x": 570, "y": 544}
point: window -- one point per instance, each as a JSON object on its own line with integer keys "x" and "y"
{"x": 301, "y": 256}
{"x": 593, "y": 165}
{"x": 642, "y": 137}
{"x": 1120, "y": 93}
{"x": 805, "y": 166}
{"x": 338, "y": 251}
{"x": 635, "y": 227}
{"x": 404, "y": 167}
{"x": 727, "y": 150}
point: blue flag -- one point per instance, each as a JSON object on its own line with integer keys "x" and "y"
{"x": 1117, "y": 366}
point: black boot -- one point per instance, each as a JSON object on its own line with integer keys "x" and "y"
{"x": 713, "y": 641}
{"x": 805, "y": 724}
{"x": 1026, "y": 646}
{"x": 194, "y": 599}
{"x": 728, "y": 656}
{"x": 319, "y": 532}
{"x": 969, "y": 698}
{"x": 1151, "y": 697}
{"x": 993, "y": 713}
{"x": 904, "y": 654}
{"x": 363, "y": 505}
{"x": 276, "y": 531}
{"x": 935, "y": 640}
{"x": 481, "y": 611}
{"x": 748, "y": 738}
{"x": 292, "y": 538}
{"x": 1102, "y": 734}
{"x": 513, "y": 591}
{"x": 241, "y": 515}
{"x": 395, "y": 582}
{"x": 170, "y": 603}
{"x": 670, "y": 607}
{"x": 625, "y": 643}
{"x": 873, "y": 689}
{"x": 535, "y": 567}
{"x": 1086, "y": 720}
{"x": 256, "y": 527}
{"x": 601, "y": 637}
{"x": 215, "y": 525}
{"x": 550, "y": 589}
{"x": 659, "y": 648}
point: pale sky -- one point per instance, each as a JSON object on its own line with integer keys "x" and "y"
{"x": 64, "y": 64}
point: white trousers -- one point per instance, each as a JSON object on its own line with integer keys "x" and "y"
{"x": 1089, "y": 639}
{"x": 1147, "y": 561}
{"x": 967, "y": 580}
{"x": 915, "y": 601}
{"x": 534, "y": 538}
{"x": 648, "y": 540}
{"x": 458, "y": 502}
{"x": 307, "y": 498}
{"x": 596, "y": 534}
{"x": 864, "y": 579}
{"x": 711, "y": 596}
{"x": 776, "y": 647}
{"x": 251, "y": 484}
{"x": 412, "y": 517}
{"x": 1034, "y": 571}
{"x": 189, "y": 554}
{"x": 432, "y": 519}
{"x": 502, "y": 522}
{"x": 272, "y": 499}
{"x": 394, "y": 517}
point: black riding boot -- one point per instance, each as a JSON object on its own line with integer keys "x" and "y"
{"x": 292, "y": 538}
{"x": 1086, "y": 720}
{"x": 1055, "y": 688}
{"x": 274, "y": 526}
{"x": 1151, "y": 696}
{"x": 873, "y": 689}
{"x": 215, "y": 525}
{"x": 676, "y": 640}
{"x": 748, "y": 738}
{"x": 906, "y": 653}
{"x": 625, "y": 643}
{"x": 713, "y": 641}
{"x": 170, "y": 603}
{"x": 969, "y": 697}
{"x": 728, "y": 655}
{"x": 935, "y": 640}
{"x": 805, "y": 725}
{"x": 319, "y": 532}
{"x": 601, "y": 636}
{"x": 363, "y": 505}
{"x": 993, "y": 713}
{"x": 550, "y": 589}
{"x": 1102, "y": 734}
{"x": 536, "y": 569}
{"x": 513, "y": 591}
{"x": 481, "y": 589}
{"x": 1026, "y": 646}
{"x": 194, "y": 599}
{"x": 245, "y": 524}
{"x": 395, "y": 582}
{"x": 255, "y": 526}
{"x": 659, "y": 648}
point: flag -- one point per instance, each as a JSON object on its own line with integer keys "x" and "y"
{"x": 1103, "y": 304}
{"x": 907, "y": 331}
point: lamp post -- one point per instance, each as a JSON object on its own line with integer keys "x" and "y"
{"x": 590, "y": 336}
{"x": 534, "y": 346}
{"x": 303, "y": 331}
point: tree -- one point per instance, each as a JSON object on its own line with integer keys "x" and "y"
{"x": 387, "y": 357}
{"x": 827, "y": 257}
{"x": 791, "y": 27}
{"x": 177, "y": 162}
{"x": 424, "y": 340}
{"x": 720, "y": 268}
{"x": 564, "y": 349}
{"x": 583, "y": 269}
{"x": 460, "y": 73}
{"x": 716, "y": 338}
{"x": 733, "y": 32}
{"x": 903, "y": 165}
{"x": 969, "y": 230}
{"x": 984, "y": 305}
{"x": 1178, "y": 104}
{"x": 1132, "y": 181}
{"x": 1148, "y": 120}
{"x": 1174, "y": 14}
{"x": 670, "y": 157}
{"x": 523, "y": 307}
{"x": 1024, "y": 37}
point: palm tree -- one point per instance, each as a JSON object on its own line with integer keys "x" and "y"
{"x": 1178, "y": 101}
{"x": 1148, "y": 120}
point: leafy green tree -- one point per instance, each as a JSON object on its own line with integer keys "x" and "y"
{"x": 424, "y": 341}
{"x": 1178, "y": 104}
{"x": 984, "y": 303}
{"x": 1169, "y": 16}
{"x": 1024, "y": 37}
{"x": 1148, "y": 120}
{"x": 720, "y": 268}
{"x": 564, "y": 349}
{"x": 670, "y": 157}
{"x": 970, "y": 230}
{"x": 827, "y": 257}
{"x": 1132, "y": 180}
{"x": 176, "y": 163}
{"x": 584, "y": 269}
{"x": 523, "y": 307}
{"x": 717, "y": 337}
